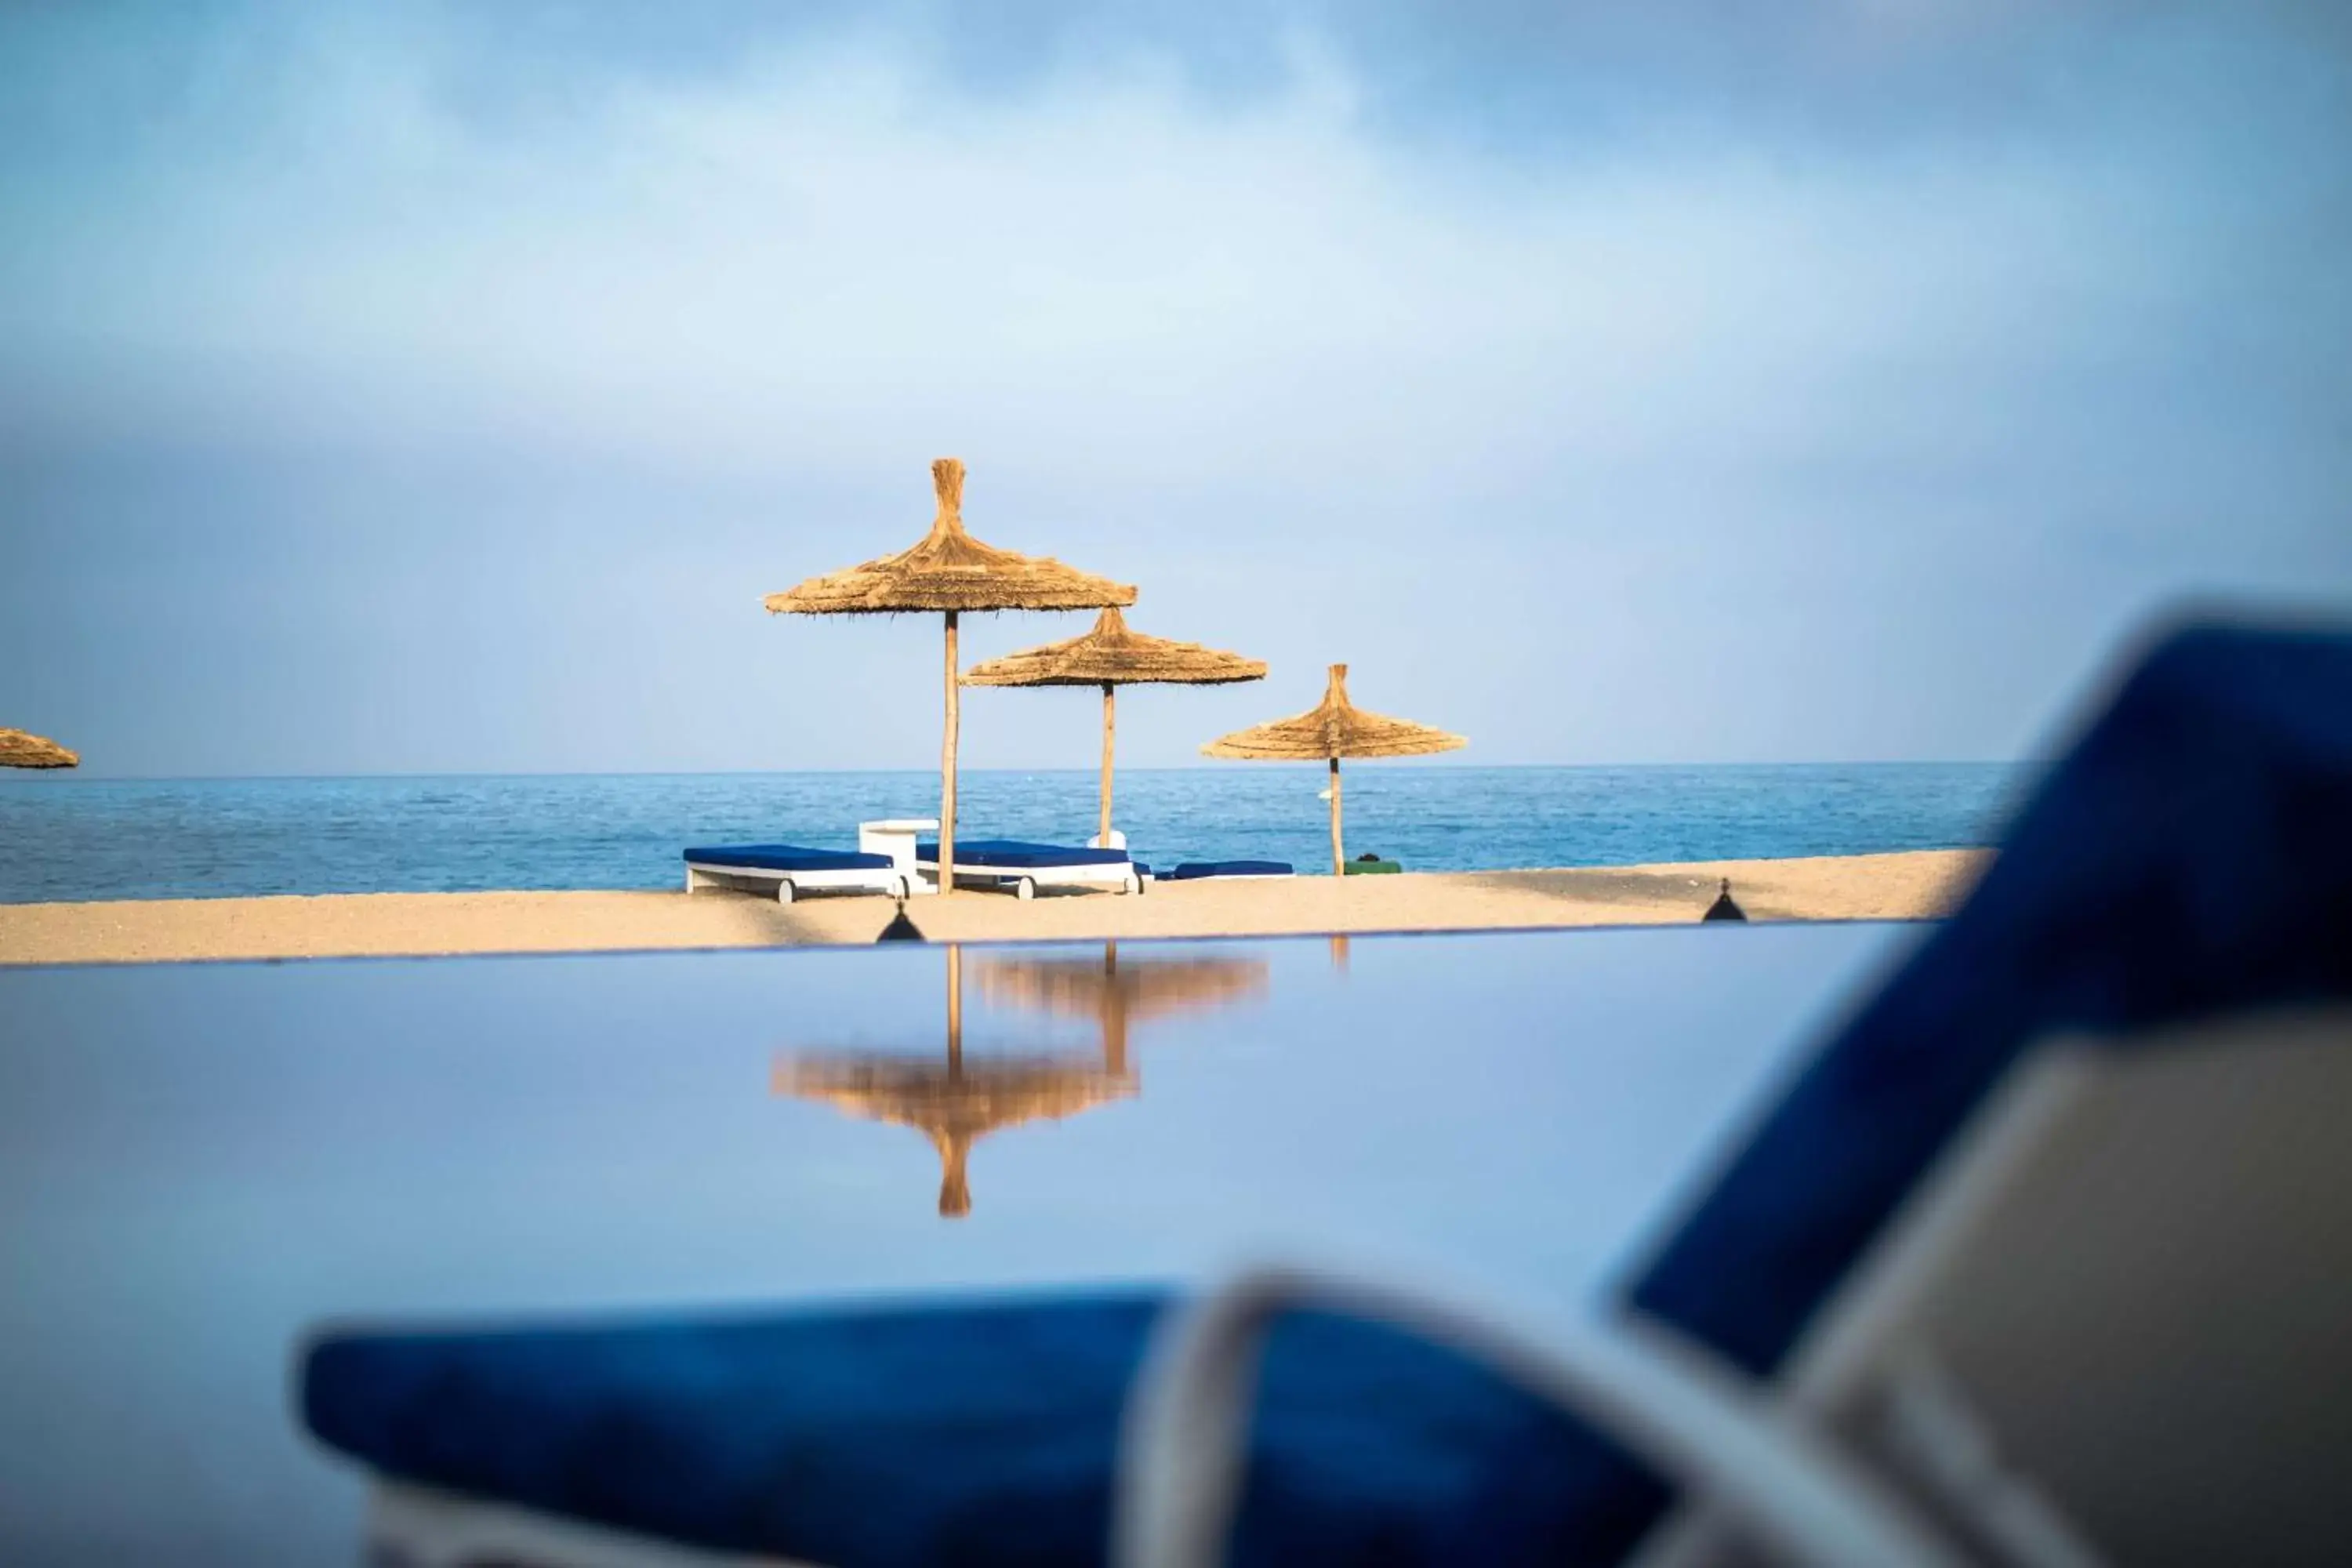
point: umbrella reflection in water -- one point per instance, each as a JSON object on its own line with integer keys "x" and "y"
{"x": 1114, "y": 994}
{"x": 957, "y": 1101}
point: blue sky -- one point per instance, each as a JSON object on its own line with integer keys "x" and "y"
{"x": 410, "y": 388}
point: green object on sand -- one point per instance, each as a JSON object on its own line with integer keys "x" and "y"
{"x": 1371, "y": 865}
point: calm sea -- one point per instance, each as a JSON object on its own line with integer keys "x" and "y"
{"x": 64, "y": 838}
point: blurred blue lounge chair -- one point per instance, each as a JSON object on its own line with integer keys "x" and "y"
{"x": 2042, "y": 1259}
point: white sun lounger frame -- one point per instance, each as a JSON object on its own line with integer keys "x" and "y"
{"x": 785, "y": 886}
{"x": 2110, "y": 1326}
{"x": 1025, "y": 881}
{"x": 1999, "y": 1382}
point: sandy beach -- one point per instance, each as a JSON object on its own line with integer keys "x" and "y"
{"x": 1913, "y": 886}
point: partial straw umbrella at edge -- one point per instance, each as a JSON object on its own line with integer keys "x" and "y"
{"x": 21, "y": 750}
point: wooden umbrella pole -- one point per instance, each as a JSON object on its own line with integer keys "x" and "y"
{"x": 955, "y": 1007}
{"x": 947, "y": 772}
{"x": 1114, "y": 1011}
{"x": 1338, "y": 854}
{"x": 1111, "y": 728}
{"x": 1114, "y": 1040}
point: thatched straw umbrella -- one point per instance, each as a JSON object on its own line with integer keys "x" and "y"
{"x": 20, "y": 750}
{"x": 951, "y": 572}
{"x": 1335, "y": 727}
{"x": 1115, "y": 995}
{"x": 956, "y": 1105}
{"x": 1111, "y": 656}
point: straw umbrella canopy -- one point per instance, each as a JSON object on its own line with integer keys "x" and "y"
{"x": 957, "y": 1103}
{"x": 1115, "y": 995}
{"x": 949, "y": 571}
{"x": 1333, "y": 729}
{"x": 1110, "y": 657}
{"x": 20, "y": 750}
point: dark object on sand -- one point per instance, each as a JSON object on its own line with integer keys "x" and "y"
{"x": 1724, "y": 908}
{"x": 900, "y": 927}
{"x": 1371, "y": 865}
{"x": 1201, "y": 870}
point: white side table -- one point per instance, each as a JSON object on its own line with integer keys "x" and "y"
{"x": 894, "y": 836}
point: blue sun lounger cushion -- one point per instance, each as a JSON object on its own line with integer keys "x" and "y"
{"x": 1191, "y": 870}
{"x": 955, "y": 1433}
{"x": 2189, "y": 857}
{"x": 787, "y": 858}
{"x": 1013, "y": 855}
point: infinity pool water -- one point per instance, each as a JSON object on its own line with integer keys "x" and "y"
{"x": 200, "y": 1163}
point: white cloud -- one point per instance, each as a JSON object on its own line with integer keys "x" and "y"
{"x": 811, "y": 262}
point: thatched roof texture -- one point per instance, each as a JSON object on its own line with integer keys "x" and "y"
{"x": 1133, "y": 988}
{"x": 953, "y": 1104}
{"x": 1334, "y": 728}
{"x": 951, "y": 569}
{"x": 1114, "y": 994}
{"x": 968, "y": 1099}
{"x": 1111, "y": 655}
{"x": 20, "y": 749}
